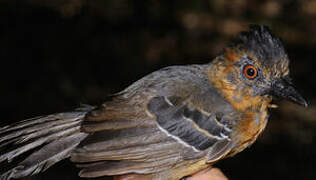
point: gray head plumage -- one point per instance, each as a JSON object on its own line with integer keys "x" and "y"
{"x": 262, "y": 43}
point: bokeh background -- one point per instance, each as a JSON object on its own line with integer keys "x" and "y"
{"x": 56, "y": 54}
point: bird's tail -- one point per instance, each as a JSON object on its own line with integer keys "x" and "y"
{"x": 33, "y": 145}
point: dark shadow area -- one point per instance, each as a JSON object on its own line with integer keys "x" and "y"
{"x": 57, "y": 54}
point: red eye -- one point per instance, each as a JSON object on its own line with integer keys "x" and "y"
{"x": 250, "y": 71}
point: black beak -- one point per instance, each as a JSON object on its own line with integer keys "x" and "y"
{"x": 283, "y": 88}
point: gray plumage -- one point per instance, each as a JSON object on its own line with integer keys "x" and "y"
{"x": 52, "y": 138}
{"x": 169, "y": 124}
{"x": 118, "y": 137}
{"x": 263, "y": 43}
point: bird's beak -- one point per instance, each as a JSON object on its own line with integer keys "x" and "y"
{"x": 283, "y": 88}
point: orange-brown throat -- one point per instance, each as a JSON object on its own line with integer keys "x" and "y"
{"x": 238, "y": 95}
{"x": 253, "y": 107}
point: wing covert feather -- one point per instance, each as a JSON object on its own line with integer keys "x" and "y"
{"x": 171, "y": 132}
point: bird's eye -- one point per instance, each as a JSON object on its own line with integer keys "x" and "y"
{"x": 250, "y": 71}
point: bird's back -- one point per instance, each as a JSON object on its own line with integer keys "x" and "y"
{"x": 152, "y": 127}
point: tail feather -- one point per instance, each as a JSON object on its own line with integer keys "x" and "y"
{"x": 45, "y": 157}
{"x": 35, "y": 124}
{"x": 41, "y": 132}
{"x": 9, "y": 156}
{"x": 44, "y": 141}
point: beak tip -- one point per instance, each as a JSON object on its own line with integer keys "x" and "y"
{"x": 300, "y": 101}
{"x": 284, "y": 89}
{"x": 305, "y": 104}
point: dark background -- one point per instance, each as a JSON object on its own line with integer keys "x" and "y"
{"x": 56, "y": 54}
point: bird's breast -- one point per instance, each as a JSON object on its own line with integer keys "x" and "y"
{"x": 253, "y": 109}
{"x": 251, "y": 125}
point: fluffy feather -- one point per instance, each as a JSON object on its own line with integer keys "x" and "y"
{"x": 44, "y": 141}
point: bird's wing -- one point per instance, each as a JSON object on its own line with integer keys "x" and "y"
{"x": 192, "y": 126}
{"x": 136, "y": 137}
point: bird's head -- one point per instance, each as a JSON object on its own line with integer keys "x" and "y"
{"x": 255, "y": 65}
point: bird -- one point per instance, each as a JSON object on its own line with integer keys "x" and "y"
{"x": 168, "y": 125}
